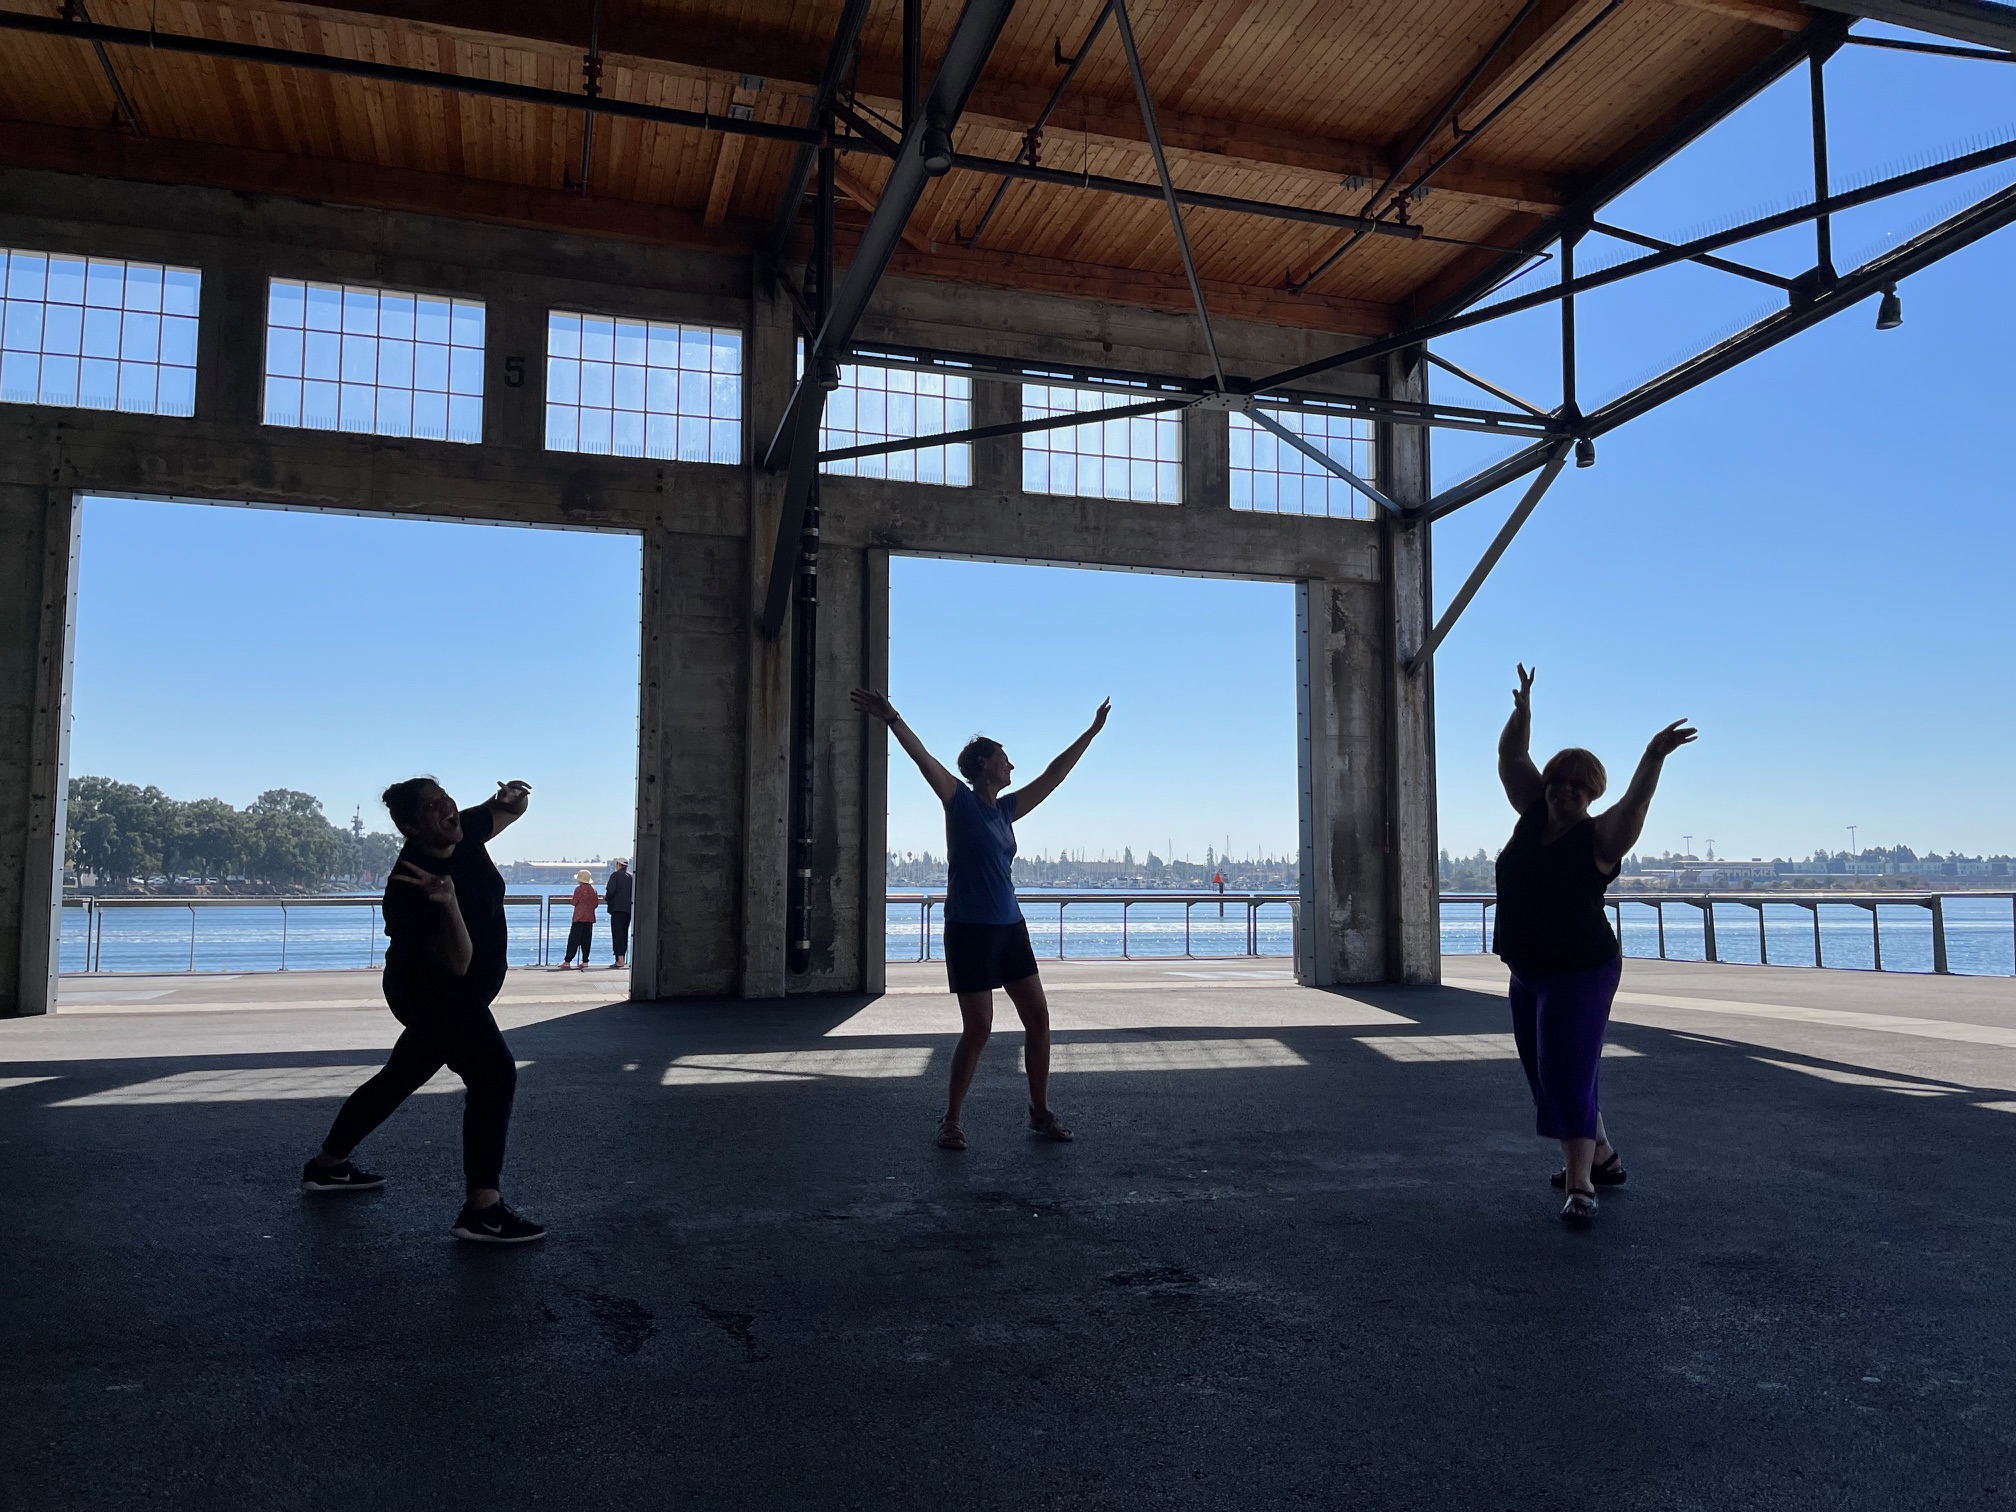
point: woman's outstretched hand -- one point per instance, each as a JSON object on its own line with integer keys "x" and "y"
{"x": 435, "y": 889}
{"x": 1522, "y": 696}
{"x": 1099, "y": 719}
{"x": 870, "y": 702}
{"x": 1670, "y": 739}
{"x": 512, "y": 796}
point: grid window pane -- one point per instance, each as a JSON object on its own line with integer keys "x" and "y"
{"x": 376, "y": 361}
{"x": 1137, "y": 458}
{"x": 876, "y": 404}
{"x": 1271, "y": 476}
{"x": 643, "y": 388}
{"x": 135, "y": 323}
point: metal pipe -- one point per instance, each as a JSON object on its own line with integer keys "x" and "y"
{"x": 1969, "y": 162}
{"x": 1009, "y": 428}
{"x": 591, "y": 86}
{"x": 1126, "y": 28}
{"x": 1659, "y": 908}
{"x": 1823, "y": 227}
{"x": 1708, "y": 927}
{"x": 1454, "y": 103}
{"x": 1062, "y": 178}
{"x": 1499, "y": 544}
{"x": 1819, "y": 958}
{"x": 1763, "y": 940}
{"x": 846, "y": 36}
{"x": 192, "y": 936}
{"x": 913, "y": 60}
{"x": 391, "y": 73}
{"x": 1034, "y": 135}
{"x": 1939, "y": 964}
{"x": 1322, "y": 458}
{"x": 283, "y": 934}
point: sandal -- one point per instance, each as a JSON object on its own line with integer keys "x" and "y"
{"x": 1046, "y": 1124}
{"x": 1610, "y": 1173}
{"x": 1579, "y": 1211}
{"x": 950, "y": 1135}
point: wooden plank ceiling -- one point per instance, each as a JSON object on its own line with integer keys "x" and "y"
{"x": 1299, "y": 102}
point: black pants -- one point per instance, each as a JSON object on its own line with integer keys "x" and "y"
{"x": 464, "y": 1038}
{"x": 619, "y": 934}
{"x": 579, "y": 934}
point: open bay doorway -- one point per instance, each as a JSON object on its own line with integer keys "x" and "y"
{"x": 245, "y": 682}
{"x": 1177, "y": 836}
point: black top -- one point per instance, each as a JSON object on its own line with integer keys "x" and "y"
{"x": 411, "y": 922}
{"x": 1550, "y": 900}
{"x": 616, "y": 892}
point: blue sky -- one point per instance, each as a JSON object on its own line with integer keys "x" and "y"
{"x": 1808, "y": 556}
{"x": 221, "y": 652}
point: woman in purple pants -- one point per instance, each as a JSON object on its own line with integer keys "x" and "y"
{"x": 1553, "y": 933}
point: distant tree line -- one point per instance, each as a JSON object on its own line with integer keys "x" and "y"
{"x": 127, "y": 834}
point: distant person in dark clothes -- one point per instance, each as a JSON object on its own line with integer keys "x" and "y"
{"x": 1553, "y": 933}
{"x": 617, "y": 894}
{"x": 986, "y": 938}
{"x": 444, "y": 916}
{"x": 581, "y": 933}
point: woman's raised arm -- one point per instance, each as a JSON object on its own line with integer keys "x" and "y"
{"x": 1619, "y": 826}
{"x": 1515, "y": 761}
{"x": 877, "y": 706}
{"x": 1032, "y": 793}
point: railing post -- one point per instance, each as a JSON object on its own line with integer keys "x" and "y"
{"x": 1938, "y": 907}
{"x": 1659, "y": 909}
{"x": 1708, "y": 927}
{"x": 1186, "y": 929}
{"x": 1763, "y": 940}
{"x": 1483, "y": 929}
{"x": 1819, "y": 959}
{"x": 283, "y": 934}
{"x": 1124, "y": 906}
{"x": 1060, "y": 929}
{"x": 1876, "y": 933}
{"x": 192, "y": 936}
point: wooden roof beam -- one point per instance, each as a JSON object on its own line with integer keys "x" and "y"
{"x": 658, "y": 41}
{"x": 245, "y": 170}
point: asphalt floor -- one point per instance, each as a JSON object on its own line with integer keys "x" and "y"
{"x": 1303, "y": 1253}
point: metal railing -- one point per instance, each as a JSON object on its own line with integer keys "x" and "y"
{"x": 96, "y": 910}
{"x": 1933, "y": 903}
{"x": 1249, "y": 904}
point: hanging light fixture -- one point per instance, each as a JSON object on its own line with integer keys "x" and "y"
{"x": 937, "y": 147}
{"x": 1585, "y": 452}
{"x": 1890, "y": 312}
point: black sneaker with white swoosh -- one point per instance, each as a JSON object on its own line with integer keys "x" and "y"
{"x": 344, "y": 1176}
{"x": 495, "y": 1224}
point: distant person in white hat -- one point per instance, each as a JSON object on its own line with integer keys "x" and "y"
{"x": 621, "y": 888}
{"x": 582, "y": 931}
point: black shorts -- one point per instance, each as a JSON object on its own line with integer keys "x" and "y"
{"x": 981, "y": 957}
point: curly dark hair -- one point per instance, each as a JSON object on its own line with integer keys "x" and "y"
{"x": 402, "y": 800}
{"x": 973, "y": 760}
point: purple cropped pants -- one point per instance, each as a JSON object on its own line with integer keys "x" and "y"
{"x": 1558, "y": 1019}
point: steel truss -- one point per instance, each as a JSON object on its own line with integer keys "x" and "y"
{"x": 1564, "y": 430}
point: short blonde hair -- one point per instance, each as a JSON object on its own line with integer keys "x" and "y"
{"x": 1576, "y": 762}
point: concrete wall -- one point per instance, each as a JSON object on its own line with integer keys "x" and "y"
{"x": 713, "y": 766}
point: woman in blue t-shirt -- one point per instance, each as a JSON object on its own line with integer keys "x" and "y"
{"x": 986, "y": 940}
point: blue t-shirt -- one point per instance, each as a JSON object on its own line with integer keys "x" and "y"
{"x": 979, "y": 860}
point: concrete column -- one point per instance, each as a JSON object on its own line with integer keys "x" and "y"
{"x": 231, "y": 344}
{"x": 1207, "y": 447}
{"x": 38, "y": 580}
{"x": 1413, "y": 910}
{"x": 1340, "y": 721}
{"x": 514, "y": 375}
{"x": 874, "y": 767}
{"x": 997, "y": 463}
{"x": 771, "y": 358}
